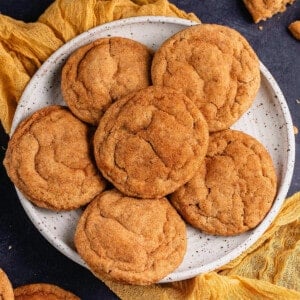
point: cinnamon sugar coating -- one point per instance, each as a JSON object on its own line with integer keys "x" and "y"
{"x": 214, "y": 66}
{"x": 101, "y": 72}
{"x": 135, "y": 241}
{"x": 49, "y": 159}
{"x": 151, "y": 142}
{"x": 233, "y": 190}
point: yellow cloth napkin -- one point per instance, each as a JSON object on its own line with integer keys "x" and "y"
{"x": 268, "y": 270}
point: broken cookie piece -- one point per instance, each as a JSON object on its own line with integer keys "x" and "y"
{"x": 294, "y": 28}
{"x": 264, "y": 9}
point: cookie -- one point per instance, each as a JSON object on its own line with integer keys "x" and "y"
{"x": 261, "y": 10}
{"x": 214, "y": 66}
{"x": 43, "y": 291}
{"x": 151, "y": 142}
{"x": 101, "y": 72}
{"x": 130, "y": 240}
{"x": 294, "y": 28}
{"x": 49, "y": 160}
{"x": 6, "y": 289}
{"x": 233, "y": 189}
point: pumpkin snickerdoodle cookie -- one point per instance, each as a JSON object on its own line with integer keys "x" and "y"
{"x": 6, "y": 289}
{"x": 233, "y": 190}
{"x": 101, "y": 72}
{"x": 214, "y": 66}
{"x": 135, "y": 241}
{"x": 151, "y": 142}
{"x": 43, "y": 291}
{"x": 49, "y": 159}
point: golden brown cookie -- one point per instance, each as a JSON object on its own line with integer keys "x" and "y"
{"x": 214, "y": 66}
{"x": 99, "y": 73}
{"x": 233, "y": 190}
{"x": 135, "y": 241}
{"x": 49, "y": 159}
{"x": 6, "y": 289}
{"x": 261, "y": 10}
{"x": 151, "y": 142}
{"x": 43, "y": 291}
{"x": 295, "y": 29}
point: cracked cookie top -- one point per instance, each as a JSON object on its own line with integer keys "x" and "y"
{"x": 151, "y": 142}
{"x": 49, "y": 159}
{"x": 101, "y": 72}
{"x": 214, "y": 66}
{"x": 136, "y": 241}
{"x": 233, "y": 189}
{"x": 43, "y": 291}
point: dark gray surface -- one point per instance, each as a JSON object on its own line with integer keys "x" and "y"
{"x": 24, "y": 254}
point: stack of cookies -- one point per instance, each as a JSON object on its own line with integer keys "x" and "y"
{"x": 145, "y": 144}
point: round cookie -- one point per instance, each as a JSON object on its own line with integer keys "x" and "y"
{"x": 49, "y": 159}
{"x": 6, "y": 289}
{"x": 214, "y": 66}
{"x": 101, "y": 72}
{"x": 233, "y": 189}
{"x": 130, "y": 240}
{"x": 151, "y": 142}
{"x": 43, "y": 291}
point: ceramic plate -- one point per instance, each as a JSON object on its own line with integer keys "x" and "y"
{"x": 268, "y": 120}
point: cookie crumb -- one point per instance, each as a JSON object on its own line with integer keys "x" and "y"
{"x": 9, "y": 247}
{"x": 260, "y": 27}
{"x": 298, "y": 101}
{"x": 295, "y": 130}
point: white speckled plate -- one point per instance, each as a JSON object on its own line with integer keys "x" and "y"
{"x": 268, "y": 120}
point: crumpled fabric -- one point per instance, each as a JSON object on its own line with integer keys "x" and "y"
{"x": 268, "y": 270}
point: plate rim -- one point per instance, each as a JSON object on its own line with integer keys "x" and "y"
{"x": 281, "y": 191}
